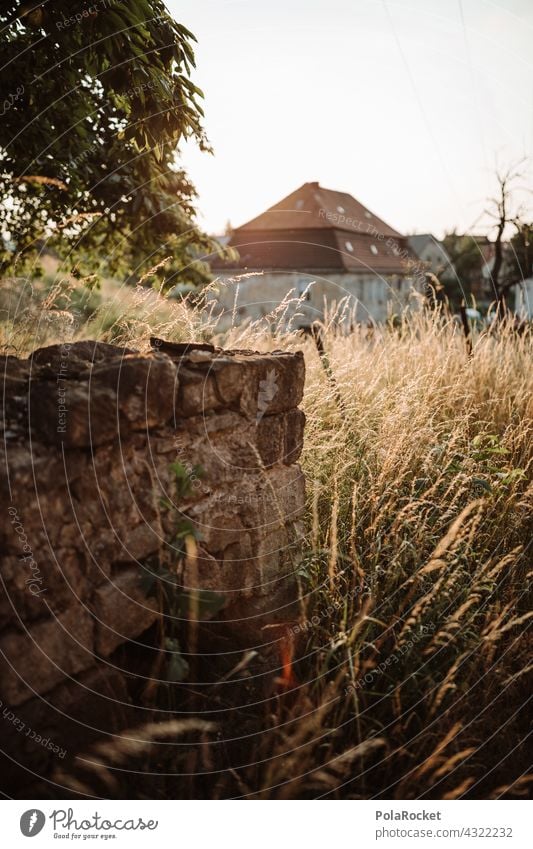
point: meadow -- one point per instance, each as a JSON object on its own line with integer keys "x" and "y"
{"x": 410, "y": 673}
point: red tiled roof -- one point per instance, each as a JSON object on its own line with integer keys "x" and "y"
{"x": 316, "y": 229}
{"x": 329, "y": 250}
{"x": 313, "y": 207}
{"x": 314, "y": 250}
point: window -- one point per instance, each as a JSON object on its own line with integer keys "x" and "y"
{"x": 349, "y": 247}
{"x": 374, "y": 250}
{"x": 340, "y": 209}
{"x": 368, "y": 214}
{"x": 299, "y": 204}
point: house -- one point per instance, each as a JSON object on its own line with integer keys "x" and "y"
{"x": 432, "y": 253}
{"x": 523, "y": 295}
{"x": 322, "y": 245}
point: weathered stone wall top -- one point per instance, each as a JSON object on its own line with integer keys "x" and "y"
{"x": 143, "y": 390}
{"x": 109, "y": 454}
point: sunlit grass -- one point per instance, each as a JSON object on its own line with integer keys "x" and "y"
{"x": 417, "y": 570}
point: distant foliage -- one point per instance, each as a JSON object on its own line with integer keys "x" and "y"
{"x": 467, "y": 260}
{"x": 95, "y": 99}
{"x": 520, "y": 254}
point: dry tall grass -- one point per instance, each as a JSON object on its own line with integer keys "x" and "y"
{"x": 414, "y": 650}
{"x": 421, "y": 509}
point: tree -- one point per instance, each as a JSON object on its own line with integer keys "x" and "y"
{"x": 504, "y": 211}
{"x": 519, "y": 256}
{"x": 95, "y": 99}
{"x": 508, "y": 263}
{"x": 467, "y": 263}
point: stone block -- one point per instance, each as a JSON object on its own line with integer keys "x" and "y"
{"x": 218, "y": 527}
{"x": 133, "y": 392}
{"x": 36, "y": 584}
{"x": 252, "y": 384}
{"x": 122, "y": 611}
{"x": 197, "y": 393}
{"x": 15, "y": 375}
{"x": 35, "y": 520}
{"x": 27, "y": 465}
{"x": 293, "y": 436}
{"x": 259, "y": 385}
{"x": 71, "y": 717}
{"x": 145, "y": 387}
{"x": 73, "y": 359}
{"x": 45, "y": 654}
{"x": 280, "y": 437}
{"x": 90, "y": 494}
{"x": 72, "y": 414}
{"x": 139, "y": 542}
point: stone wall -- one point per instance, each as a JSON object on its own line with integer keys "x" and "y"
{"x": 127, "y": 479}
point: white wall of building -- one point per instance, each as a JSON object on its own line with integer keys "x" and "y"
{"x": 436, "y": 258}
{"x": 256, "y": 295}
{"x": 524, "y": 298}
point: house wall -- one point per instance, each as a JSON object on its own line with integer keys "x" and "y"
{"x": 523, "y": 294}
{"x": 256, "y": 294}
{"x": 436, "y": 258}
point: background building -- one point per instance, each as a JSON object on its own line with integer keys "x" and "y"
{"x": 432, "y": 253}
{"x": 323, "y": 245}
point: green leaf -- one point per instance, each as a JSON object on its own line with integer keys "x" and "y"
{"x": 116, "y": 100}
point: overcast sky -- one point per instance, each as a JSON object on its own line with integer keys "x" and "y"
{"x": 405, "y": 105}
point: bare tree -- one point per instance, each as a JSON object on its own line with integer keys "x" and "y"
{"x": 505, "y": 212}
